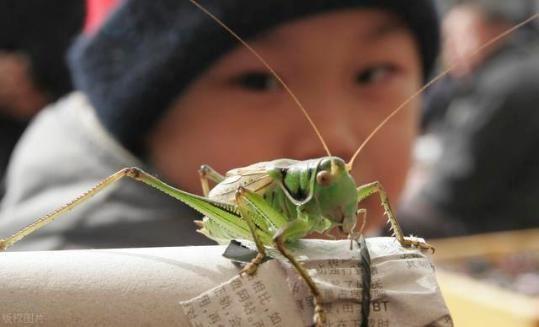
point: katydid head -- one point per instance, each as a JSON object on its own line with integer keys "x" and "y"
{"x": 336, "y": 194}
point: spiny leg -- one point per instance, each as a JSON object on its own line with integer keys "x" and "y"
{"x": 264, "y": 218}
{"x": 279, "y": 239}
{"x": 226, "y": 212}
{"x": 247, "y": 213}
{"x": 207, "y": 173}
{"x": 39, "y": 223}
{"x": 367, "y": 190}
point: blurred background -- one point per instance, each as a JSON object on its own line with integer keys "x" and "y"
{"x": 34, "y": 38}
{"x": 473, "y": 188}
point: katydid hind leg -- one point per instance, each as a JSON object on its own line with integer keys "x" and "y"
{"x": 364, "y": 191}
{"x": 207, "y": 174}
{"x": 41, "y": 222}
{"x": 226, "y": 213}
{"x": 225, "y": 216}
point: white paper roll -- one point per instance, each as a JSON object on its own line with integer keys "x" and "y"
{"x": 118, "y": 287}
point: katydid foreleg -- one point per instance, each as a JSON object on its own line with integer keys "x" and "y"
{"x": 353, "y": 235}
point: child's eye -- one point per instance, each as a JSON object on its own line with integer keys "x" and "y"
{"x": 257, "y": 81}
{"x": 375, "y": 74}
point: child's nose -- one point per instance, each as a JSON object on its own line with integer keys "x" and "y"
{"x": 338, "y": 130}
{"x": 335, "y": 118}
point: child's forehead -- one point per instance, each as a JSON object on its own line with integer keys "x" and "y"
{"x": 366, "y": 24}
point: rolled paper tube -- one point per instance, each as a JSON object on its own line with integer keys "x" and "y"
{"x": 117, "y": 287}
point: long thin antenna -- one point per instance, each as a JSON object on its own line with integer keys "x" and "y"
{"x": 263, "y": 61}
{"x": 350, "y": 164}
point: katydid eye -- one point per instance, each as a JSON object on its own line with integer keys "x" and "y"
{"x": 375, "y": 74}
{"x": 323, "y": 178}
{"x": 258, "y": 81}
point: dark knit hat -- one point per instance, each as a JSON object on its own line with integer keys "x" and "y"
{"x": 148, "y": 52}
{"x": 43, "y": 31}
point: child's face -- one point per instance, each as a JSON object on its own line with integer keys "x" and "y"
{"x": 349, "y": 68}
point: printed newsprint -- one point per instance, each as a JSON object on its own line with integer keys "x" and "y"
{"x": 379, "y": 284}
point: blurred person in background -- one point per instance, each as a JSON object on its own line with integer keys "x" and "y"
{"x": 163, "y": 87}
{"x": 34, "y": 38}
{"x": 478, "y": 158}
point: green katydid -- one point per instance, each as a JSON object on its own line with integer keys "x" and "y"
{"x": 271, "y": 203}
